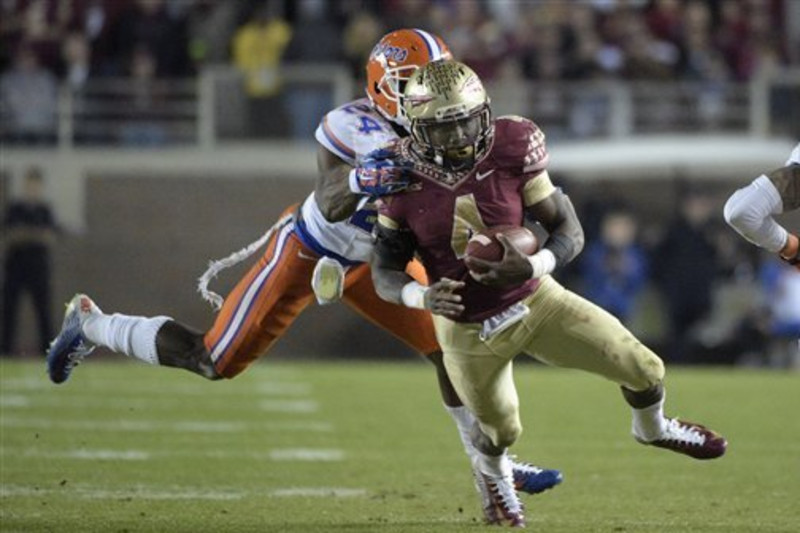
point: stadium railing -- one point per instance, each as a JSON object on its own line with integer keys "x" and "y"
{"x": 212, "y": 108}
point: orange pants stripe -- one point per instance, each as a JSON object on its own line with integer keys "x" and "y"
{"x": 266, "y": 301}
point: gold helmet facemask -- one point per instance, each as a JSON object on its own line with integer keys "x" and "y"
{"x": 449, "y": 114}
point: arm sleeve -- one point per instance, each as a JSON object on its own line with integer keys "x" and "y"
{"x": 394, "y": 246}
{"x": 749, "y": 211}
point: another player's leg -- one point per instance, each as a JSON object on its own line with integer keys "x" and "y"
{"x": 528, "y": 477}
{"x": 415, "y": 328}
{"x": 485, "y": 383}
{"x": 263, "y": 305}
{"x": 576, "y": 333}
{"x": 85, "y": 326}
{"x": 258, "y": 310}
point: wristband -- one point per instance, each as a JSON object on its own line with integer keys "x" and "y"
{"x": 791, "y": 250}
{"x": 542, "y": 262}
{"x": 352, "y": 179}
{"x": 413, "y": 295}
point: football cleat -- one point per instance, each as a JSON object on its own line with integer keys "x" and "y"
{"x": 501, "y": 503}
{"x": 690, "y": 439}
{"x": 490, "y": 512}
{"x": 71, "y": 346}
{"x": 532, "y": 479}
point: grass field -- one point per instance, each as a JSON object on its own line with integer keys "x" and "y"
{"x": 323, "y": 447}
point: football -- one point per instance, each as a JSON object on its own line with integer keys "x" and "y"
{"x": 484, "y": 245}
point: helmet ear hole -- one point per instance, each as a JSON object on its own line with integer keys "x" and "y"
{"x": 376, "y": 87}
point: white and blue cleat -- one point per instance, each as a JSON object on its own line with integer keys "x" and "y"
{"x": 532, "y": 479}
{"x": 71, "y": 346}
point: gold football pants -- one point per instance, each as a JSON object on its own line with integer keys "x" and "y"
{"x": 563, "y": 330}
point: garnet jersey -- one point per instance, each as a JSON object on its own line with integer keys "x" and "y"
{"x": 444, "y": 213}
{"x": 787, "y": 184}
{"x": 350, "y": 131}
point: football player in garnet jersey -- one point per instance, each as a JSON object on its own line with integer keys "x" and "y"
{"x": 473, "y": 172}
{"x": 325, "y": 242}
{"x": 750, "y": 210}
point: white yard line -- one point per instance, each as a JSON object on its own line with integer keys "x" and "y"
{"x": 317, "y": 492}
{"x": 289, "y": 406}
{"x": 14, "y": 400}
{"x": 277, "y": 388}
{"x": 91, "y": 455}
{"x": 25, "y": 383}
{"x": 324, "y": 455}
{"x": 183, "y": 426}
{"x": 177, "y": 493}
{"x": 307, "y": 454}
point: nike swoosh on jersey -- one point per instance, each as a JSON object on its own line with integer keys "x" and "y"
{"x": 480, "y": 176}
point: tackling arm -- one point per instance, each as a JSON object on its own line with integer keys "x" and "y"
{"x": 335, "y": 199}
{"x": 394, "y": 248}
{"x": 340, "y": 187}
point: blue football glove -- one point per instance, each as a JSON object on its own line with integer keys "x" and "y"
{"x": 380, "y": 173}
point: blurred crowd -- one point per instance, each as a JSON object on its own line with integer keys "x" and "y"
{"x": 546, "y": 39}
{"x": 47, "y": 42}
{"x": 685, "y": 281}
{"x": 700, "y": 270}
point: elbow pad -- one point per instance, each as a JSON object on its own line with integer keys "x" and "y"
{"x": 749, "y": 211}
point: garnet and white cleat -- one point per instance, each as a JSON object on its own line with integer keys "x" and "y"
{"x": 505, "y": 507}
{"x": 500, "y": 502}
{"x": 688, "y": 438}
{"x": 71, "y": 346}
{"x": 490, "y": 512}
{"x": 532, "y": 479}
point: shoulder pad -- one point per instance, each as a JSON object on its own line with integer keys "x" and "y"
{"x": 519, "y": 144}
{"x": 354, "y": 129}
{"x": 337, "y": 129}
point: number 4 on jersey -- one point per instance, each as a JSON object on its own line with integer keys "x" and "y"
{"x": 467, "y": 221}
{"x": 368, "y": 124}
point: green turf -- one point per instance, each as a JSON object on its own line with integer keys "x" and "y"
{"x": 125, "y": 447}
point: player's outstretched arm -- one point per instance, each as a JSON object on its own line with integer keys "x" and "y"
{"x": 340, "y": 187}
{"x": 392, "y": 251}
{"x": 750, "y": 212}
{"x": 334, "y": 197}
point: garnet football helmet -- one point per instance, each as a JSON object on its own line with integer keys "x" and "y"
{"x": 392, "y": 62}
{"x": 449, "y": 115}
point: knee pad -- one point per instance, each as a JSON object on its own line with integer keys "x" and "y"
{"x": 506, "y": 433}
{"x": 648, "y": 370}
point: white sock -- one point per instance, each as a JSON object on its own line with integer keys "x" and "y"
{"x": 135, "y": 336}
{"x": 495, "y": 466}
{"x": 464, "y": 422}
{"x": 649, "y": 423}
